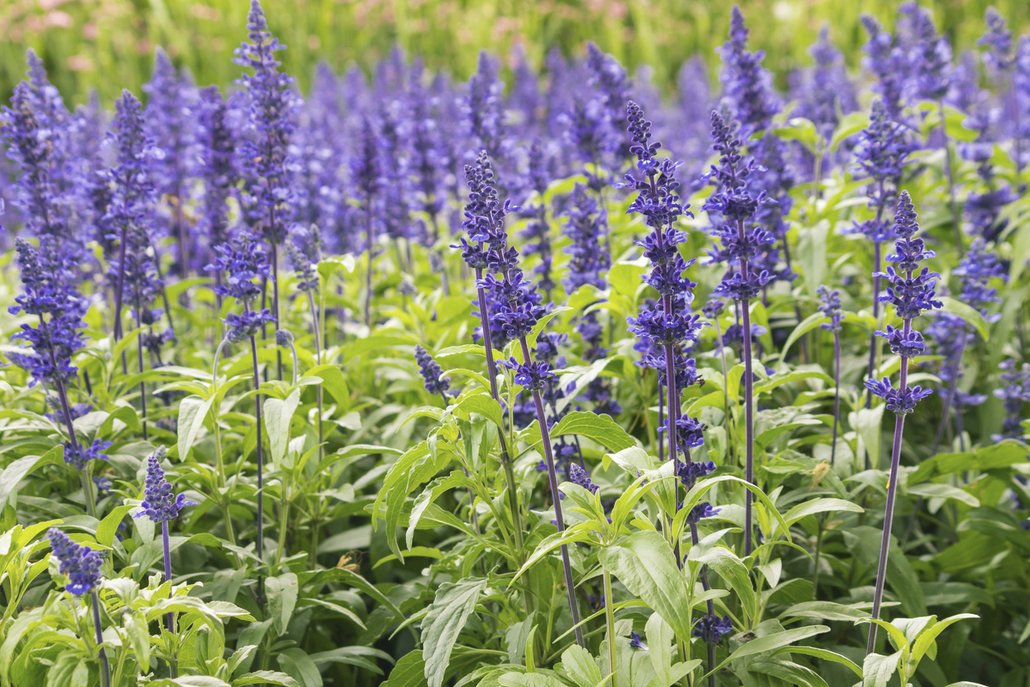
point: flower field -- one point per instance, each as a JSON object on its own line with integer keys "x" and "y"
{"x": 548, "y": 378}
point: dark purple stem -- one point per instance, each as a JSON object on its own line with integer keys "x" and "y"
{"x": 170, "y": 617}
{"x": 260, "y": 545}
{"x": 836, "y": 394}
{"x": 552, "y": 478}
{"x": 105, "y": 667}
{"x": 892, "y": 490}
{"x": 491, "y": 370}
{"x": 749, "y": 413}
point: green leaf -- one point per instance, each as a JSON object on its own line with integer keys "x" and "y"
{"x": 646, "y": 566}
{"x": 827, "y": 655}
{"x": 19, "y": 469}
{"x": 811, "y": 322}
{"x": 580, "y": 666}
{"x": 278, "y": 416}
{"x": 444, "y": 621}
{"x": 300, "y": 667}
{"x": 193, "y": 411}
{"x": 877, "y": 669}
{"x": 927, "y": 638}
{"x": 265, "y": 677}
{"x": 108, "y": 527}
{"x": 282, "y": 599}
{"x": 773, "y": 641}
{"x": 823, "y": 505}
{"x": 971, "y": 316}
{"x": 600, "y": 428}
{"x": 409, "y": 671}
{"x": 850, "y": 124}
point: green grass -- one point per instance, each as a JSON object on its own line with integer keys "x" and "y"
{"x": 108, "y": 45}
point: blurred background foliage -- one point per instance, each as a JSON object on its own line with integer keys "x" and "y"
{"x": 109, "y": 44}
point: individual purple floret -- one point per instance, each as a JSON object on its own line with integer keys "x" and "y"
{"x": 711, "y": 628}
{"x": 888, "y": 63}
{"x": 431, "y": 372}
{"x": 79, "y": 563}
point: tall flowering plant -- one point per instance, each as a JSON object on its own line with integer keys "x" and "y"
{"x": 510, "y": 308}
{"x": 271, "y": 106}
{"x": 668, "y": 328}
{"x": 731, "y": 209}
{"x": 81, "y": 565}
{"x": 53, "y": 338}
{"x": 244, "y": 265}
{"x": 911, "y": 292}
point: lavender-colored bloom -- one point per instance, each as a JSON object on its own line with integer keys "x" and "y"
{"x": 976, "y": 270}
{"x": 130, "y": 215}
{"x": 172, "y": 117}
{"x": 49, "y": 296}
{"x": 580, "y": 477}
{"x": 538, "y": 232}
{"x": 244, "y": 263}
{"x": 35, "y": 143}
{"x": 218, "y": 168}
{"x": 159, "y": 504}
{"x": 79, "y": 563}
{"x": 485, "y": 109}
{"x": 712, "y": 628}
{"x": 244, "y": 266}
{"x": 911, "y": 292}
{"x": 305, "y": 252}
{"x": 828, "y": 92}
{"x": 700, "y": 512}
{"x": 636, "y": 643}
{"x": 829, "y": 303}
{"x": 929, "y": 54}
{"x": 271, "y": 120}
{"x": 609, "y": 79}
{"x": 997, "y": 42}
{"x": 431, "y": 372}
{"x": 747, "y": 86}
{"x": 690, "y": 473}
{"x": 367, "y": 177}
{"x": 1014, "y": 393}
{"x": 79, "y": 456}
{"x": 888, "y": 63}
{"x": 881, "y": 153}
{"x": 583, "y": 225}
{"x": 730, "y": 207}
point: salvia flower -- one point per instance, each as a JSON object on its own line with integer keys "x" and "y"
{"x": 244, "y": 264}
{"x": 584, "y": 226}
{"x": 712, "y": 628}
{"x": 747, "y": 86}
{"x": 160, "y": 504}
{"x": 78, "y": 456}
{"x": 485, "y": 109}
{"x": 580, "y": 477}
{"x": 305, "y": 252}
{"x": 432, "y": 373}
{"x": 997, "y": 42}
{"x": 271, "y": 106}
{"x": 880, "y": 155}
{"x": 1014, "y": 393}
{"x": 829, "y": 304}
{"x": 57, "y": 307}
{"x": 79, "y": 563}
{"x": 888, "y": 63}
{"x": 929, "y": 55}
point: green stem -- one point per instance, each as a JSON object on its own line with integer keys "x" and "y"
{"x": 609, "y": 616}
